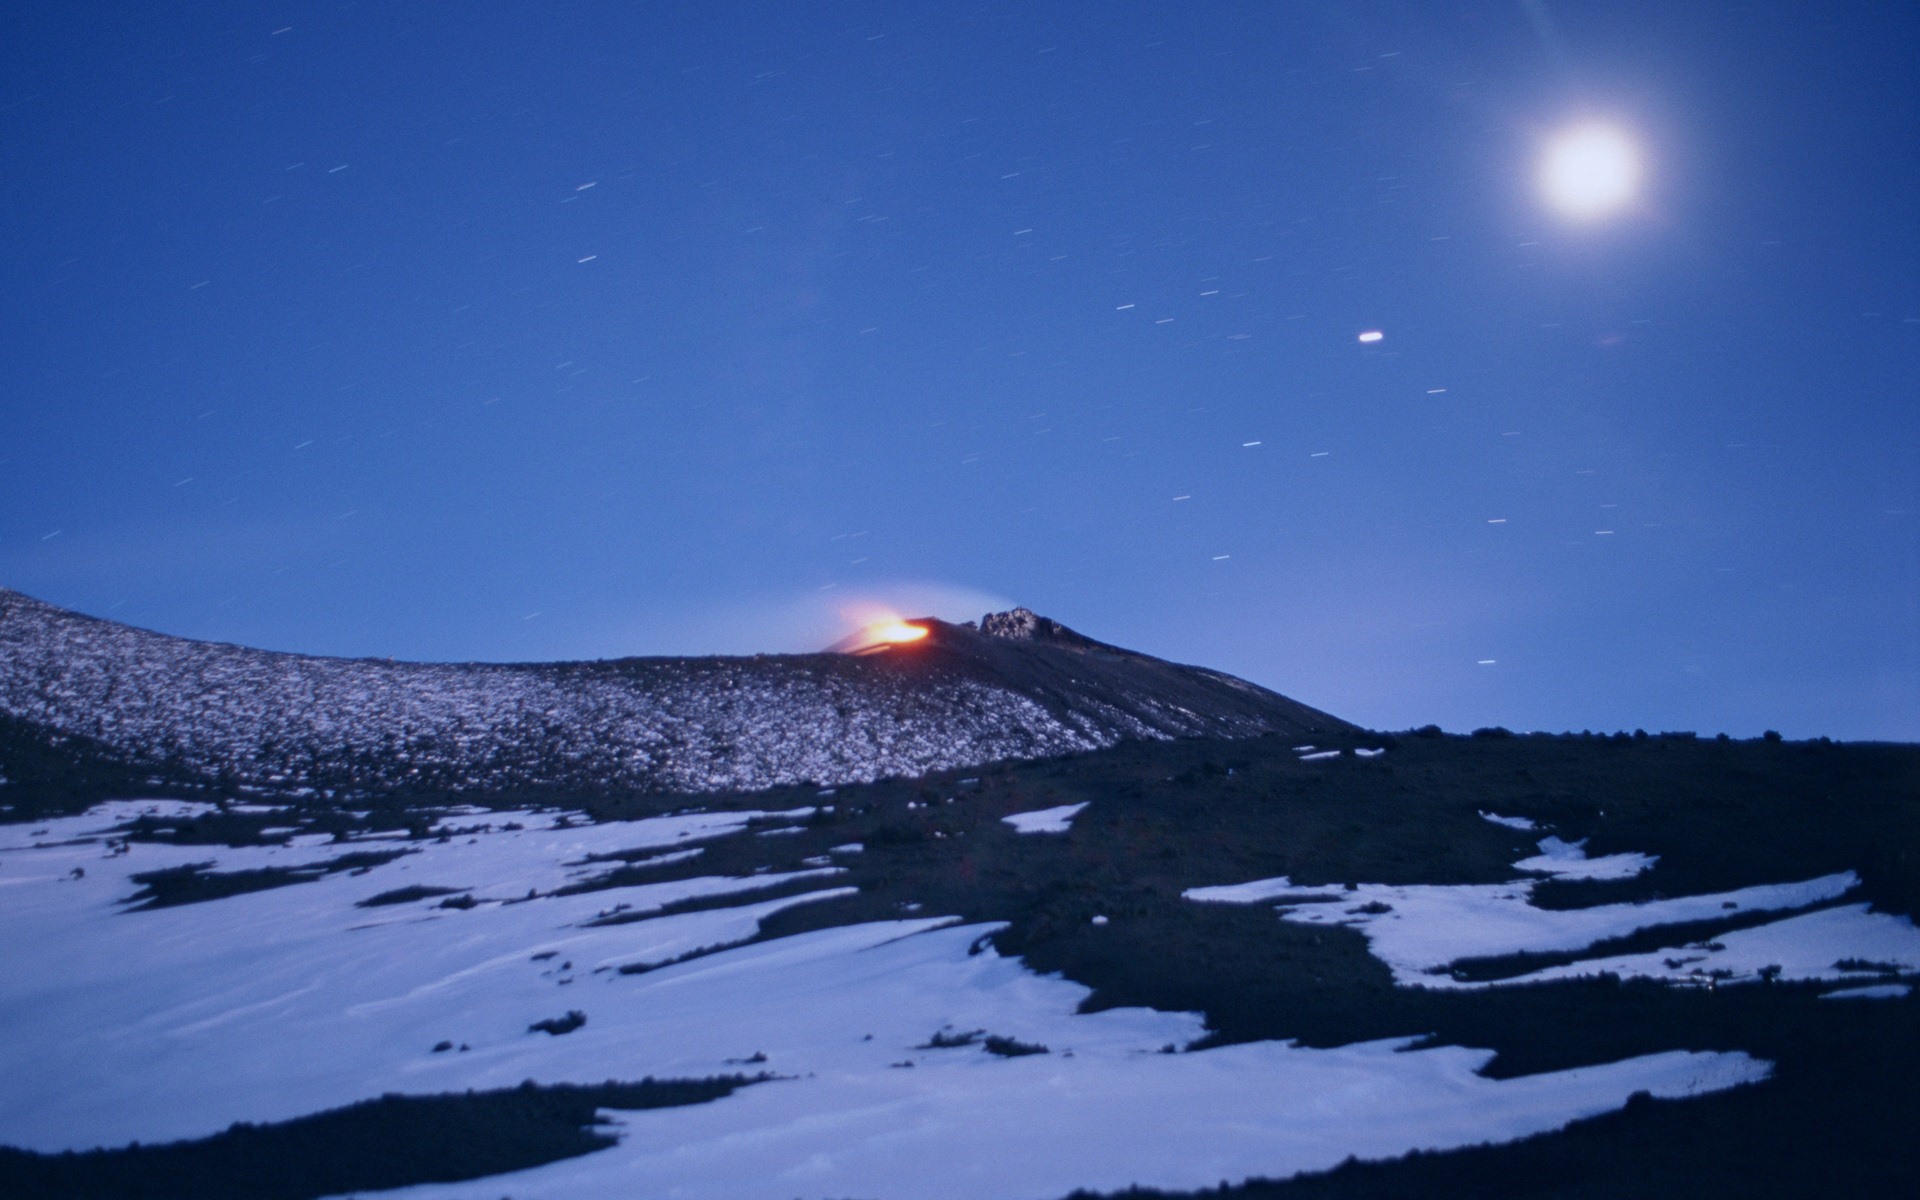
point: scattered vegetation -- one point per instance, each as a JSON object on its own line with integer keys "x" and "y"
{"x": 45, "y": 774}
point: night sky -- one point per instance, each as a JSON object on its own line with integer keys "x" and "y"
{"x": 487, "y": 331}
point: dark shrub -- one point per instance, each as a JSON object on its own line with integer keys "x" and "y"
{"x": 405, "y": 895}
{"x": 950, "y": 1041}
{"x": 559, "y": 1025}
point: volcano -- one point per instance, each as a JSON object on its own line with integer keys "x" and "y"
{"x": 1014, "y": 686}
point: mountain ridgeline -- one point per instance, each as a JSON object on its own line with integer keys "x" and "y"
{"x": 133, "y": 703}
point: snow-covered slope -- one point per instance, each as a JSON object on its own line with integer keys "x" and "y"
{"x": 1025, "y": 688}
{"x": 271, "y": 1004}
{"x": 1155, "y": 965}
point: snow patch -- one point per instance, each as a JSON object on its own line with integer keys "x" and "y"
{"x": 1520, "y": 823}
{"x": 1873, "y": 991}
{"x": 1422, "y": 930}
{"x": 1806, "y": 947}
{"x": 1568, "y": 860}
{"x": 1045, "y": 820}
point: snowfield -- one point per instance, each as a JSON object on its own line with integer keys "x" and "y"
{"x": 1036, "y": 1128}
{"x": 273, "y": 1004}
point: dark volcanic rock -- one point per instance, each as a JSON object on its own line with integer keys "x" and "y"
{"x": 1071, "y": 674}
{"x": 1020, "y": 686}
{"x": 1025, "y": 625}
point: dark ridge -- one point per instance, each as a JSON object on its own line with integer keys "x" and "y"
{"x": 1054, "y": 666}
{"x": 394, "y": 1141}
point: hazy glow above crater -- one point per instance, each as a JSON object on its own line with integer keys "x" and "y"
{"x": 1590, "y": 172}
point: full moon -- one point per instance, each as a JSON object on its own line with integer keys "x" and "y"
{"x": 1590, "y": 172}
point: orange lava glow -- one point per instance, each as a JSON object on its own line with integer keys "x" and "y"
{"x": 880, "y": 631}
{"x": 895, "y": 632}
{"x": 877, "y": 626}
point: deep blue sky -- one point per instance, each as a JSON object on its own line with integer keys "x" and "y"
{"x": 582, "y": 330}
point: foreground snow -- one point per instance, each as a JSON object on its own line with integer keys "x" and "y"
{"x": 968, "y": 1126}
{"x": 274, "y": 1004}
{"x": 170, "y": 1023}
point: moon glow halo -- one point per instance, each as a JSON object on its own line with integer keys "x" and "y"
{"x": 1590, "y": 172}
